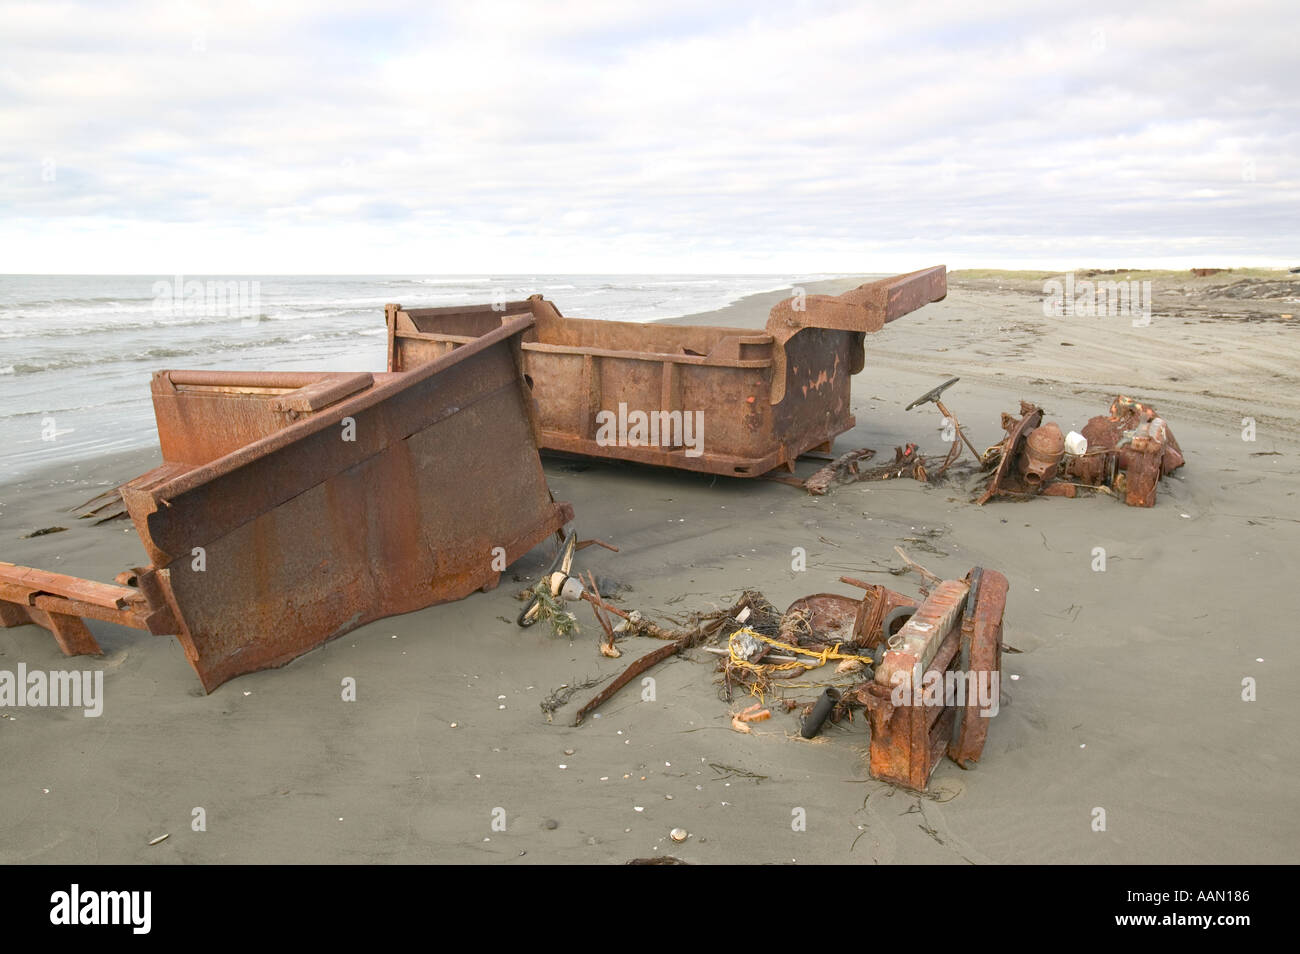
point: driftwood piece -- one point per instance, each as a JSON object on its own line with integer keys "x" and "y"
{"x": 631, "y": 672}
{"x": 907, "y": 462}
{"x": 598, "y": 600}
{"x": 912, "y": 564}
{"x": 844, "y": 468}
{"x": 607, "y": 647}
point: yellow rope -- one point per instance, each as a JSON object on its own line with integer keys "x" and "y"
{"x": 822, "y": 657}
{"x": 816, "y": 660}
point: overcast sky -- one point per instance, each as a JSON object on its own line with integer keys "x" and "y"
{"x": 373, "y": 137}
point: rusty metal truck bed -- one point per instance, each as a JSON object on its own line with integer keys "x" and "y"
{"x": 761, "y": 398}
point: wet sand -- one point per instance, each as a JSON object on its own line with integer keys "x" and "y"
{"x": 1128, "y": 696}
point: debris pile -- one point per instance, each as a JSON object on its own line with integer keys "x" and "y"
{"x": 846, "y": 469}
{"x": 887, "y": 650}
{"x": 1129, "y": 451}
{"x": 1124, "y": 453}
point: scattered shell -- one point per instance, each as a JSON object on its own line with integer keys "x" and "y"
{"x": 678, "y": 835}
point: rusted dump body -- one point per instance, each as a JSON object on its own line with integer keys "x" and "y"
{"x": 292, "y": 508}
{"x": 954, "y": 635}
{"x": 763, "y": 397}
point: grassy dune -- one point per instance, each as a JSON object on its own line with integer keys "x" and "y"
{"x": 1135, "y": 274}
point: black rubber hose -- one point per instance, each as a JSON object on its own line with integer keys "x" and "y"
{"x": 821, "y": 710}
{"x": 523, "y": 618}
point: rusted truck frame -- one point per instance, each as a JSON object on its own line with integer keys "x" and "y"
{"x": 291, "y": 508}
{"x": 764, "y": 397}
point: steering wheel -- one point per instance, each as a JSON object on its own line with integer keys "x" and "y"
{"x": 932, "y": 395}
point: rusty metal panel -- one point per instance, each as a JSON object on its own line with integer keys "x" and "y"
{"x": 765, "y": 397}
{"x": 861, "y": 311}
{"x": 1005, "y": 478}
{"x": 915, "y": 646}
{"x": 292, "y": 508}
{"x": 982, "y": 653}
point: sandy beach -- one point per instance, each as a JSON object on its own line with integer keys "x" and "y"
{"x": 1126, "y": 693}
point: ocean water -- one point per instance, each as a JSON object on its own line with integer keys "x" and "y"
{"x": 77, "y": 352}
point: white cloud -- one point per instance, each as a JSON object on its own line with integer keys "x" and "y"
{"x": 586, "y": 137}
